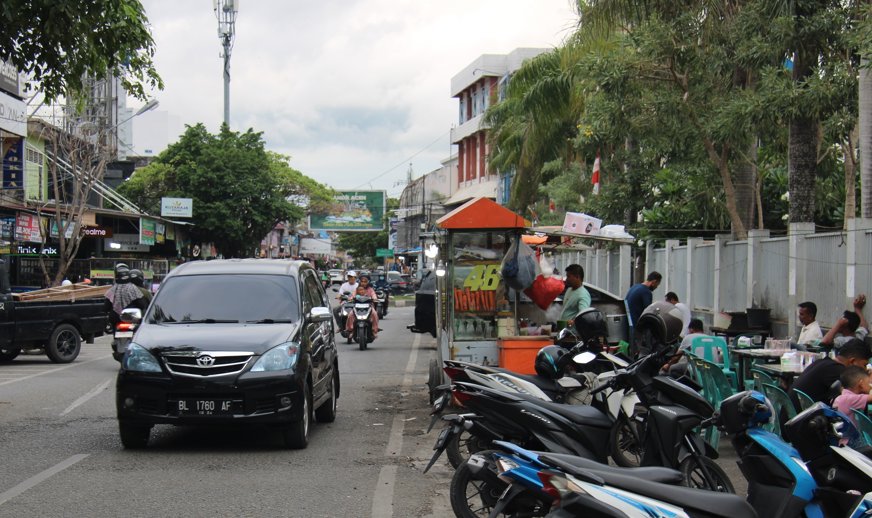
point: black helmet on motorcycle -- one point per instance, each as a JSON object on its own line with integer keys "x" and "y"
{"x": 739, "y": 412}
{"x": 590, "y": 324}
{"x": 137, "y": 277}
{"x": 549, "y": 361}
{"x": 122, "y": 273}
{"x": 662, "y": 323}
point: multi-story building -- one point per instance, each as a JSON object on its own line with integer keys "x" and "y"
{"x": 422, "y": 203}
{"x": 476, "y": 87}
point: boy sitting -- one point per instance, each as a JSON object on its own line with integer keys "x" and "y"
{"x": 855, "y": 392}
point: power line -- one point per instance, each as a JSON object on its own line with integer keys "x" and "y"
{"x": 404, "y": 161}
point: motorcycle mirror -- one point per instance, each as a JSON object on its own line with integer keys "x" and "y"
{"x": 585, "y": 357}
{"x": 335, "y": 289}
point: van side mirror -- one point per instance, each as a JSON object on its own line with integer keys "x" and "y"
{"x": 131, "y": 315}
{"x": 320, "y": 314}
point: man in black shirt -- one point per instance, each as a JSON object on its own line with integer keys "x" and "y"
{"x": 818, "y": 378}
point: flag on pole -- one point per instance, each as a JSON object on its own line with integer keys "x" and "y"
{"x": 595, "y": 177}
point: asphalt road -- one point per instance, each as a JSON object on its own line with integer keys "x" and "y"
{"x": 60, "y": 454}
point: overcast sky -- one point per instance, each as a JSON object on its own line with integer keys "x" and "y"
{"x": 350, "y": 89}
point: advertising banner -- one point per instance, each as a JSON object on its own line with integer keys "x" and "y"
{"x": 13, "y": 115}
{"x": 176, "y": 207}
{"x": 392, "y": 234}
{"x": 352, "y": 211}
{"x": 27, "y": 228}
{"x": 13, "y": 166}
{"x": 10, "y": 79}
{"x": 124, "y": 243}
{"x": 147, "y": 231}
{"x": 314, "y": 246}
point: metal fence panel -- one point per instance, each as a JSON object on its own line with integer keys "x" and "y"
{"x": 615, "y": 272}
{"x": 678, "y": 272}
{"x": 734, "y": 275}
{"x": 770, "y": 286}
{"x": 703, "y": 281}
{"x": 825, "y": 275}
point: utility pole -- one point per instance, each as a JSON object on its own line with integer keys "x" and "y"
{"x": 225, "y": 11}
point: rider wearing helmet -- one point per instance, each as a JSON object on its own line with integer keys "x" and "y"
{"x": 549, "y": 361}
{"x": 122, "y": 294}
{"x": 137, "y": 278}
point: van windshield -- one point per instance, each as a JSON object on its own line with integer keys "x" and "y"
{"x": 226, "y": 298}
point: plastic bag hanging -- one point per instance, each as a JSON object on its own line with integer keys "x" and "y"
{"x": 519, "y": 266}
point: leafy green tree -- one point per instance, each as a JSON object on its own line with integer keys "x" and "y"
{"x": 240, "y": 191}
{"x": 59, "y": 43}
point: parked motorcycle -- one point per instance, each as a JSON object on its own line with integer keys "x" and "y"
{"x": 122, "y": 335}
{"x": 362, "y": 330}
{"x": 813, "y": 477}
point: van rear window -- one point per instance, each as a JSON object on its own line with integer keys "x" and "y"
{"x": 226, "y": 298}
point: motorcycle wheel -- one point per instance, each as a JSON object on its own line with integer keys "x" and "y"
{"x": 471, "y": 495}
{"x": 694, "y": 476}
{"x": 624, "y": 448}
{"x": 463, "y": 445}
{"x": 361, "y": 339}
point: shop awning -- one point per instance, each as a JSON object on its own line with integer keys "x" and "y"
{"x": 481, "y": 213}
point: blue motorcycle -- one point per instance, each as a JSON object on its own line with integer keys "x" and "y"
{"x": 814, "y": 477}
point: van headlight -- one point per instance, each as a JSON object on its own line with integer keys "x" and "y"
{"x": 280, "y": 358}
{"x": 138, "y": 359}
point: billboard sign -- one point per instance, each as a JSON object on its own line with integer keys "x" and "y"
{"x": 177, "y": 207}
{"x": 13, "y": 115}
{"x": 147, "y": 231}
{"x": 10, "y": 79}
{"x": 352, "y": 211}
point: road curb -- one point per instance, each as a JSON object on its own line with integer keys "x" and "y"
{"x": 402, "y": 303}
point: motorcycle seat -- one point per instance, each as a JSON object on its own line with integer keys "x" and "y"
{"x": 581, "y": 414}
{"x": 709, "y": 503}
{"x": 651, "y": 474}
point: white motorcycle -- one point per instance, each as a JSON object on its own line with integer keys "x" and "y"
{"x": 362, "y": 330}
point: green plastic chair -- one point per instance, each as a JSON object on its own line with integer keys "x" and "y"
{"x": 761, "y": 377}
{"x": 715, "y": 350}
{"x": 722, "y": 390}
{"x": 781, "y": 401}
{"x": 704, "y": 378}
{"x": 805, "y": 400}
{"x": 864, "y": 424}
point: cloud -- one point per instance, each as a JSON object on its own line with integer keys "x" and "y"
{"x": 348, "y": 88}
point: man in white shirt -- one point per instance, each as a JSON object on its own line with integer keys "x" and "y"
{"x": 811, "y": 330}
{"x": 672, "y": 298}
{"x": 350, "y": 285}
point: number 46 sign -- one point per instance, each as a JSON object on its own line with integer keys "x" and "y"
{"x": 484, "y": 277}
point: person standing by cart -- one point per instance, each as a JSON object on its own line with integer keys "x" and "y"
{"x": 577, "y": 298}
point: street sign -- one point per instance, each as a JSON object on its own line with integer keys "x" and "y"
{"x": 384, "y": 252}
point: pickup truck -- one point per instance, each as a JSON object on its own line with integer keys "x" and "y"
{"x": 55, "y": 326}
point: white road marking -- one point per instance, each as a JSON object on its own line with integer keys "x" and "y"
{"x": 383, "y": 498}
{"x": 50, "y": 371}
{"x": 84, "y": 399}
{"x": 39, "y": 478}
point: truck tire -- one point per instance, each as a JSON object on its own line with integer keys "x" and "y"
{"x": 64, "y": 344}
{"x": 7, "y": 354}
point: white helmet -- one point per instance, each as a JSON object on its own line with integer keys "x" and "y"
{"x": 351, "y": 273}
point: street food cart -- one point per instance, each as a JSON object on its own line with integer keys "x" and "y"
{"x": 477, "y": 315}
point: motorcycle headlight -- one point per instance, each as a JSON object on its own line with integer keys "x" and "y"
{"x": 138, "y": 359}
{"x": 279, "y": 358}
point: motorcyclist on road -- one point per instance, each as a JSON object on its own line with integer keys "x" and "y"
{"x": 137, "y": 278}
{"x": 364, "y": 290}
{"x": 349, "y": 288}
{"x": 122, "y": 294}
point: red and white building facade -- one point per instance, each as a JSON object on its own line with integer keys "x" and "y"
{"x": 476, "y": 87}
